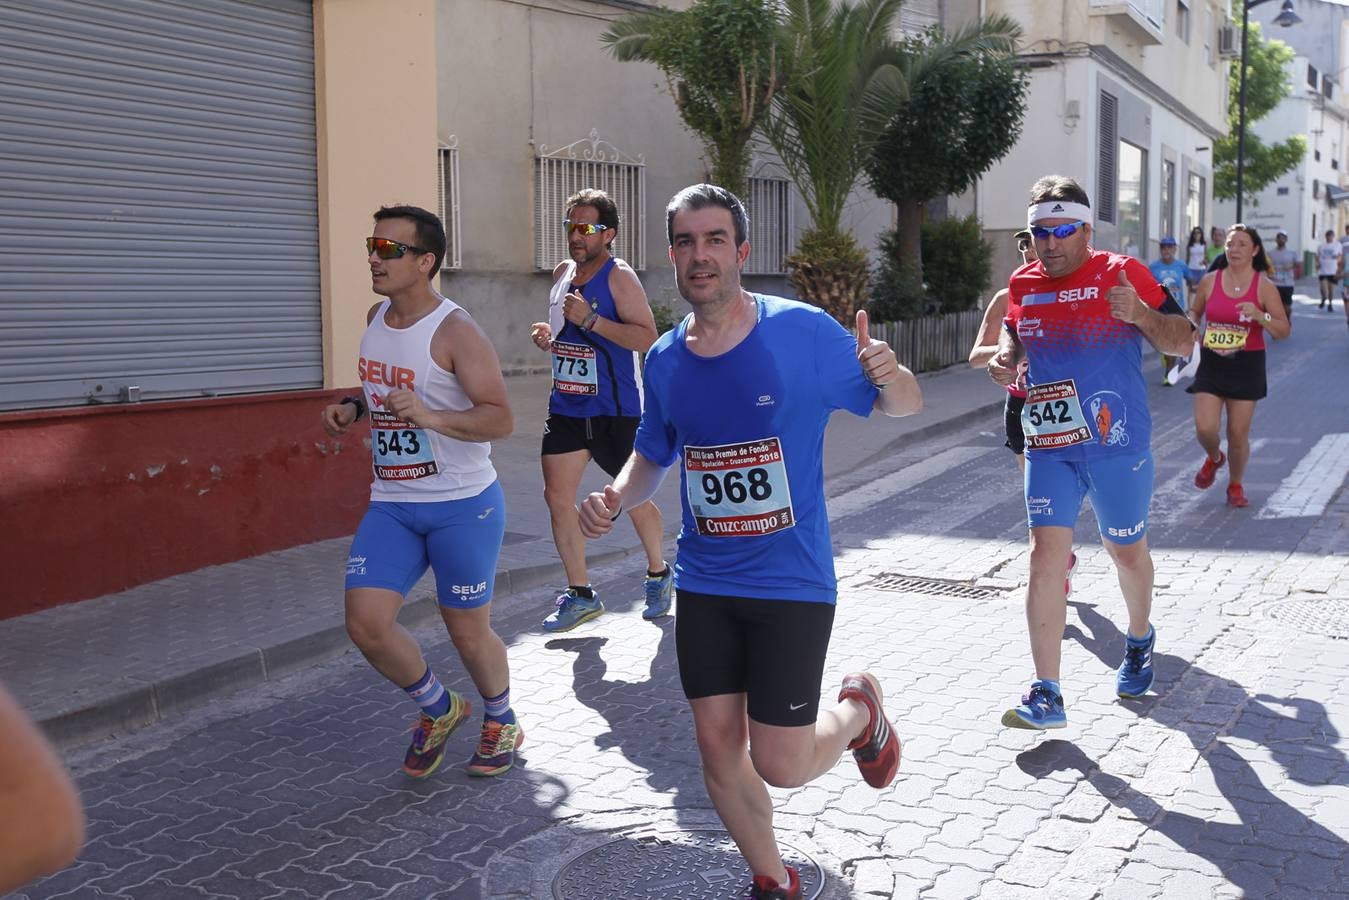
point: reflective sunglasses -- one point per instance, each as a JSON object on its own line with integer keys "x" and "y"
{"x": 1059, "y": 231}
{"x": 585, "y": 228}
{"x": 387, "y": 249}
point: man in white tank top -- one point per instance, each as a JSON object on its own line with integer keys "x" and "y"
{"x": 433, "y": 387}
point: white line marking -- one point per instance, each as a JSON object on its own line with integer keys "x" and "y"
{"x": 866, "y": 495}
{"x": 1309, "y": 488}
{"x": 1178, "y": 495}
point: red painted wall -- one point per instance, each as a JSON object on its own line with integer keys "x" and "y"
{"x": 98, "y": 499}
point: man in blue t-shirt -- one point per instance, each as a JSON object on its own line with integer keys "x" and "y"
{"x": 1171, "y": 274}
{"x": 740, "y": 393}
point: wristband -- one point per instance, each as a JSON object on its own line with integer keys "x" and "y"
{"x": 356, "y": 402}
{"x": 1268, "y": 318}
{"x": 589, "y": 321}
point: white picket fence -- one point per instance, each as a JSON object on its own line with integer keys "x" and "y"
{"x": 932, "y": 342}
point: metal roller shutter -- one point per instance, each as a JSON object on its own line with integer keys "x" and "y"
{"x": 158, "y": 200}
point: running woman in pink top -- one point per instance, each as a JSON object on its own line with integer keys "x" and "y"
{"x": 1238, "y": 304}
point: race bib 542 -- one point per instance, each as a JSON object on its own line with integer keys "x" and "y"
{"x": 1052, "y": 416}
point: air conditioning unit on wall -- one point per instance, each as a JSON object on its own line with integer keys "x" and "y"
{"x": 1229, "y": 40}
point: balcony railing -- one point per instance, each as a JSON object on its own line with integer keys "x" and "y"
{"x": 1145, "y": 19}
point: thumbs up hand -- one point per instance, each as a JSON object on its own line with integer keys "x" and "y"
{"x": 1125, "y": 304}
{"x": 879, "y": 363}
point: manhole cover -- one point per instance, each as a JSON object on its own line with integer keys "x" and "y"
{"x": 690, "y": 865}
{"x": 1329, "y": 616}
{"x": 937, "y": 587}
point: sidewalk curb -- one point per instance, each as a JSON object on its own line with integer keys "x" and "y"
{"x": 143, "y": 703}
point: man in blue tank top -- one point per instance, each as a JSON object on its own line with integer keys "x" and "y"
{"x": 740, "y": 392}
{"x": 599, "y": 325}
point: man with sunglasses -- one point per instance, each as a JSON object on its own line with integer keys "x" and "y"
{"x": 432, "y": 384}
{"x": 599, "y": 325}
{"x": 1080, "y": 317}
{"x": 739, "y": 394}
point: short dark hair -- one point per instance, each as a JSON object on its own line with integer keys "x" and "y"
{"x": 604, "y": 205}
{"x": 430, "y": 232}
{"x": 1058, "y": 187}
{"x": 701, "y": 196}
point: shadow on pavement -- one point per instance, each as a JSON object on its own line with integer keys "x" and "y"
{"x": 1270, "y": 830}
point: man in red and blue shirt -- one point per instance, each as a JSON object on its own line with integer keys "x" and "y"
{"x": 1080, "y": 318}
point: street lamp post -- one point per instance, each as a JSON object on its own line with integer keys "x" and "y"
{"x": 1285, "y": 18}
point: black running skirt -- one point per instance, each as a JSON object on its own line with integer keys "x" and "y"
{"x": 1240, "y": 376}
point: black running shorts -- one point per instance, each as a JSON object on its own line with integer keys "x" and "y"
{"x": 770, "y": 650}
{"x": 1011, "y": 423}
{"x": 608, "y": 439}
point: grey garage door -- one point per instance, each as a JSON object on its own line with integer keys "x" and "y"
{"x": 158, "y": 201}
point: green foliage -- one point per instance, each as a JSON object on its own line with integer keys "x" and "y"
{"x": 839, "y": 53}
{"x": 665, "y": 317}
{"x": 962, "y": 113}
{"x": 830, "y": 270}
{"x": 956, "y": 272}
{"x": 720, "y": 58}
{"x": 1266, "y": 84}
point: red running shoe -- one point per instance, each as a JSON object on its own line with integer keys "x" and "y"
{"x": 1209, "y": 470}
{"x": 765, "y": 888}
{"x": 877, "y": 751}
{"x": 1237, "y": 497}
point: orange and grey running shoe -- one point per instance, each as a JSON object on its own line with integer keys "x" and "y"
{"x": 496, "y": 748}
{"x": 429, "y": 736}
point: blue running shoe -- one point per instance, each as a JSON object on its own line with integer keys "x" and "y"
{"x": 572, "y": 610}
{"x": 1040, "y": 708}
{"x": 1135, "y": 673}
{"x": 659, "y": 591}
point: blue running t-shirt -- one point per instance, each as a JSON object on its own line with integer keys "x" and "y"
{"x": 1086, "y": 396}
{"x": 749, "y": 428}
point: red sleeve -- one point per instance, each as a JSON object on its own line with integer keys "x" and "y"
{"x": 1149, "y": 291}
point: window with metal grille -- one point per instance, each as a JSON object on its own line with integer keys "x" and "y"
{"x": 588, "y": 163}
{"x": 448, "y": 194}
{"x": 1107, "y": 156}
{"x": 770, "y": 225}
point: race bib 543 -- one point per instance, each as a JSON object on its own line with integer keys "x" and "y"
{"x": 400, "y": 449}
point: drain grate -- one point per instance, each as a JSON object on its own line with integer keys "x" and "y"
{"x": 1329, "y": 616}
{"x": 936, "y": 587}
{"x": 690, "y": 865}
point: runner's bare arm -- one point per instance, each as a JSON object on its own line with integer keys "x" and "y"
{"x": 986, "y": 345}
{"x": 41, "y": 820}
{"x": 336, "y": 418}
{"x": 1003, "y": 365}
{"x": 1169, "y": 331}
{"x": 460, "y": 346}
{"x": 637, "y": 330}
{"x": 1271, "y": 303}
{"x": 634, "y": 486}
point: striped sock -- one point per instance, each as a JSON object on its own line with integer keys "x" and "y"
{"x": 498, "y": 708}
{"x": 430, "y": 695}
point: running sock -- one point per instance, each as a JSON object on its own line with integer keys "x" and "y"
{"x": 498, "y": 708}
{"x": 661, "y": 574}
{"x": 1051, "y": 685}
{"x": 1139, "y": 642}
{"x": 430, "y": 695}
{"x": 585, "y": 593}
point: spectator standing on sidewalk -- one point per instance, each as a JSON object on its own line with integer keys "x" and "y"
{"x": 1081, "y": 318}
{"x": 433, "y": 386}
{"x": 1238, "y": 304}
{"x": 599, "y": 325}
{"x": 741, "y": 391}
{"x": 41, "y": 819}
{"x": 1196, "y": 252}
{"x": 1286, "y": 265}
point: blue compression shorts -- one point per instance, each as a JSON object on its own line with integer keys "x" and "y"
{"x": 459, "y": 539}
{"x": 1120, "y": 488}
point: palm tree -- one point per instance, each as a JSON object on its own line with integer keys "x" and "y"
{"x": 849, "y": 74}
{"x": 720, "y": 59}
